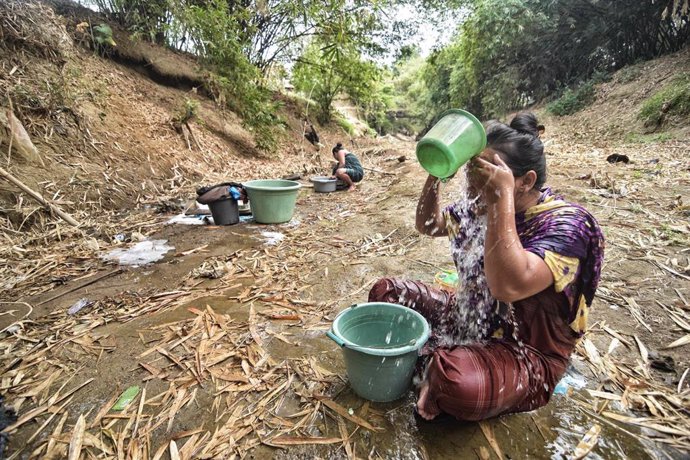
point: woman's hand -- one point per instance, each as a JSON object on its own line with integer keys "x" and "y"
{"x": 493, "y": 179}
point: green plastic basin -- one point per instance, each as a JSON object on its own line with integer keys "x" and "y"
{"x": 455, "y": 139}
{"x": 272, "y": 201}
{"x": 380, "y": 344}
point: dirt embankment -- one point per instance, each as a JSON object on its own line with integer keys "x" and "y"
{"x": 106, "y": 140}
{"x": 614, "y": 116}
{"x": 103, "y": 124}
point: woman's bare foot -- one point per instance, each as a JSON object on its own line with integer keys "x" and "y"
{"x": 351, "y": 188}
{"x": 426, "y": 409}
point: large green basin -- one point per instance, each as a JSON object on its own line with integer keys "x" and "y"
{"x": 272, "y": 201}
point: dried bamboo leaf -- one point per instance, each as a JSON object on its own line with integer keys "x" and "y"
{"x": 43, "y": 408}
{"x": 160, "y": 452}
{"x": 142, "y": 400}
{"x": 346, "y": 438}
{"x": 604, "y": 395}
{"x": 643, "y": 350}
{"x": 298, "y": 440}
{"x": 77, "y": 439}
{"x": 640, "y": 421}
{"x": 613, "y": 345}
{"x": 483, "y": 453}
{"x": 47, "y": 422}
{"x": 680, "y": 342}
{"x": 587, "y": 443}
{"x": 340, "y": 410}
{"x": 488, "y": 431}
{"x": 174, "y": 453}
{"x": 682, "y": 380}
{"x": 51, "y": 451}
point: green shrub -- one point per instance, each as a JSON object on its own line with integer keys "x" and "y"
{"x": 187, "y": 111}
{"x": 674, "y": 100}
{"x": 628, "y": 74}
{"x": 600, "y": 76}
{"x": 233, "y": 80}
{"x": 47, "y": 97}
{"x": 103, "y": 35}
{"x": 635, "y": 138}
{"x": 344, "y": 123}
{"x": 304, "y": 105}
{"x": 572, "y": 101}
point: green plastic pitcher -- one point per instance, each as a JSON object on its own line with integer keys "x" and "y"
{"x": 455, "y": 139}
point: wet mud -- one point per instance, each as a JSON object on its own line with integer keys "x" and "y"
{"x": 342, "y": 276}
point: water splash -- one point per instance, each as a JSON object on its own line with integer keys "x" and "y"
{"x": 473, "y": 299}
{"x": 474, "y": 303}
{"x": 475, "y": 309}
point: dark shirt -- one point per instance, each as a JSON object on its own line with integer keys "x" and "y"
{"x": 352, "y": 163}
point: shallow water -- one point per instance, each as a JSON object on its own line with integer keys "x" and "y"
{"x": 142, "y": 253}
{"x": 551, "y": 432}
{"x": 272, "y": 238}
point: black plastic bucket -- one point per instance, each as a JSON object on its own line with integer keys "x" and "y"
{"x": 225, "y": 212}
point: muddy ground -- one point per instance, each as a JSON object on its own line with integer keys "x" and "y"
{"x": 342, "y": 243}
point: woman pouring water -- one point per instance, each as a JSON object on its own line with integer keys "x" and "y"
{"x": 528, "y": 266}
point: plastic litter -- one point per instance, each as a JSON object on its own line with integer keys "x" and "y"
{"x": 572, "y": 380}
{"x": 79, "y": 305}
{"x": 235, "y": 193}
{"x": 561, "y": 389}
{"x": 272, "y": 238}
{"x": 188, "y": 220}
{"x": 126, "y": 398}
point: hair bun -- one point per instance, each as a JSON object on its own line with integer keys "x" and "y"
{"x": 527, "y": 123}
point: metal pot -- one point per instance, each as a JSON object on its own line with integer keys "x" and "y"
{"x": 323, "y": 184}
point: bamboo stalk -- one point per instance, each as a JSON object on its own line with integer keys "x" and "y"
{"x": 37, "y": 196}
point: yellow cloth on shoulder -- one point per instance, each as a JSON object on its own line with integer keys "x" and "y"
{"x": 563, "y": 269}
